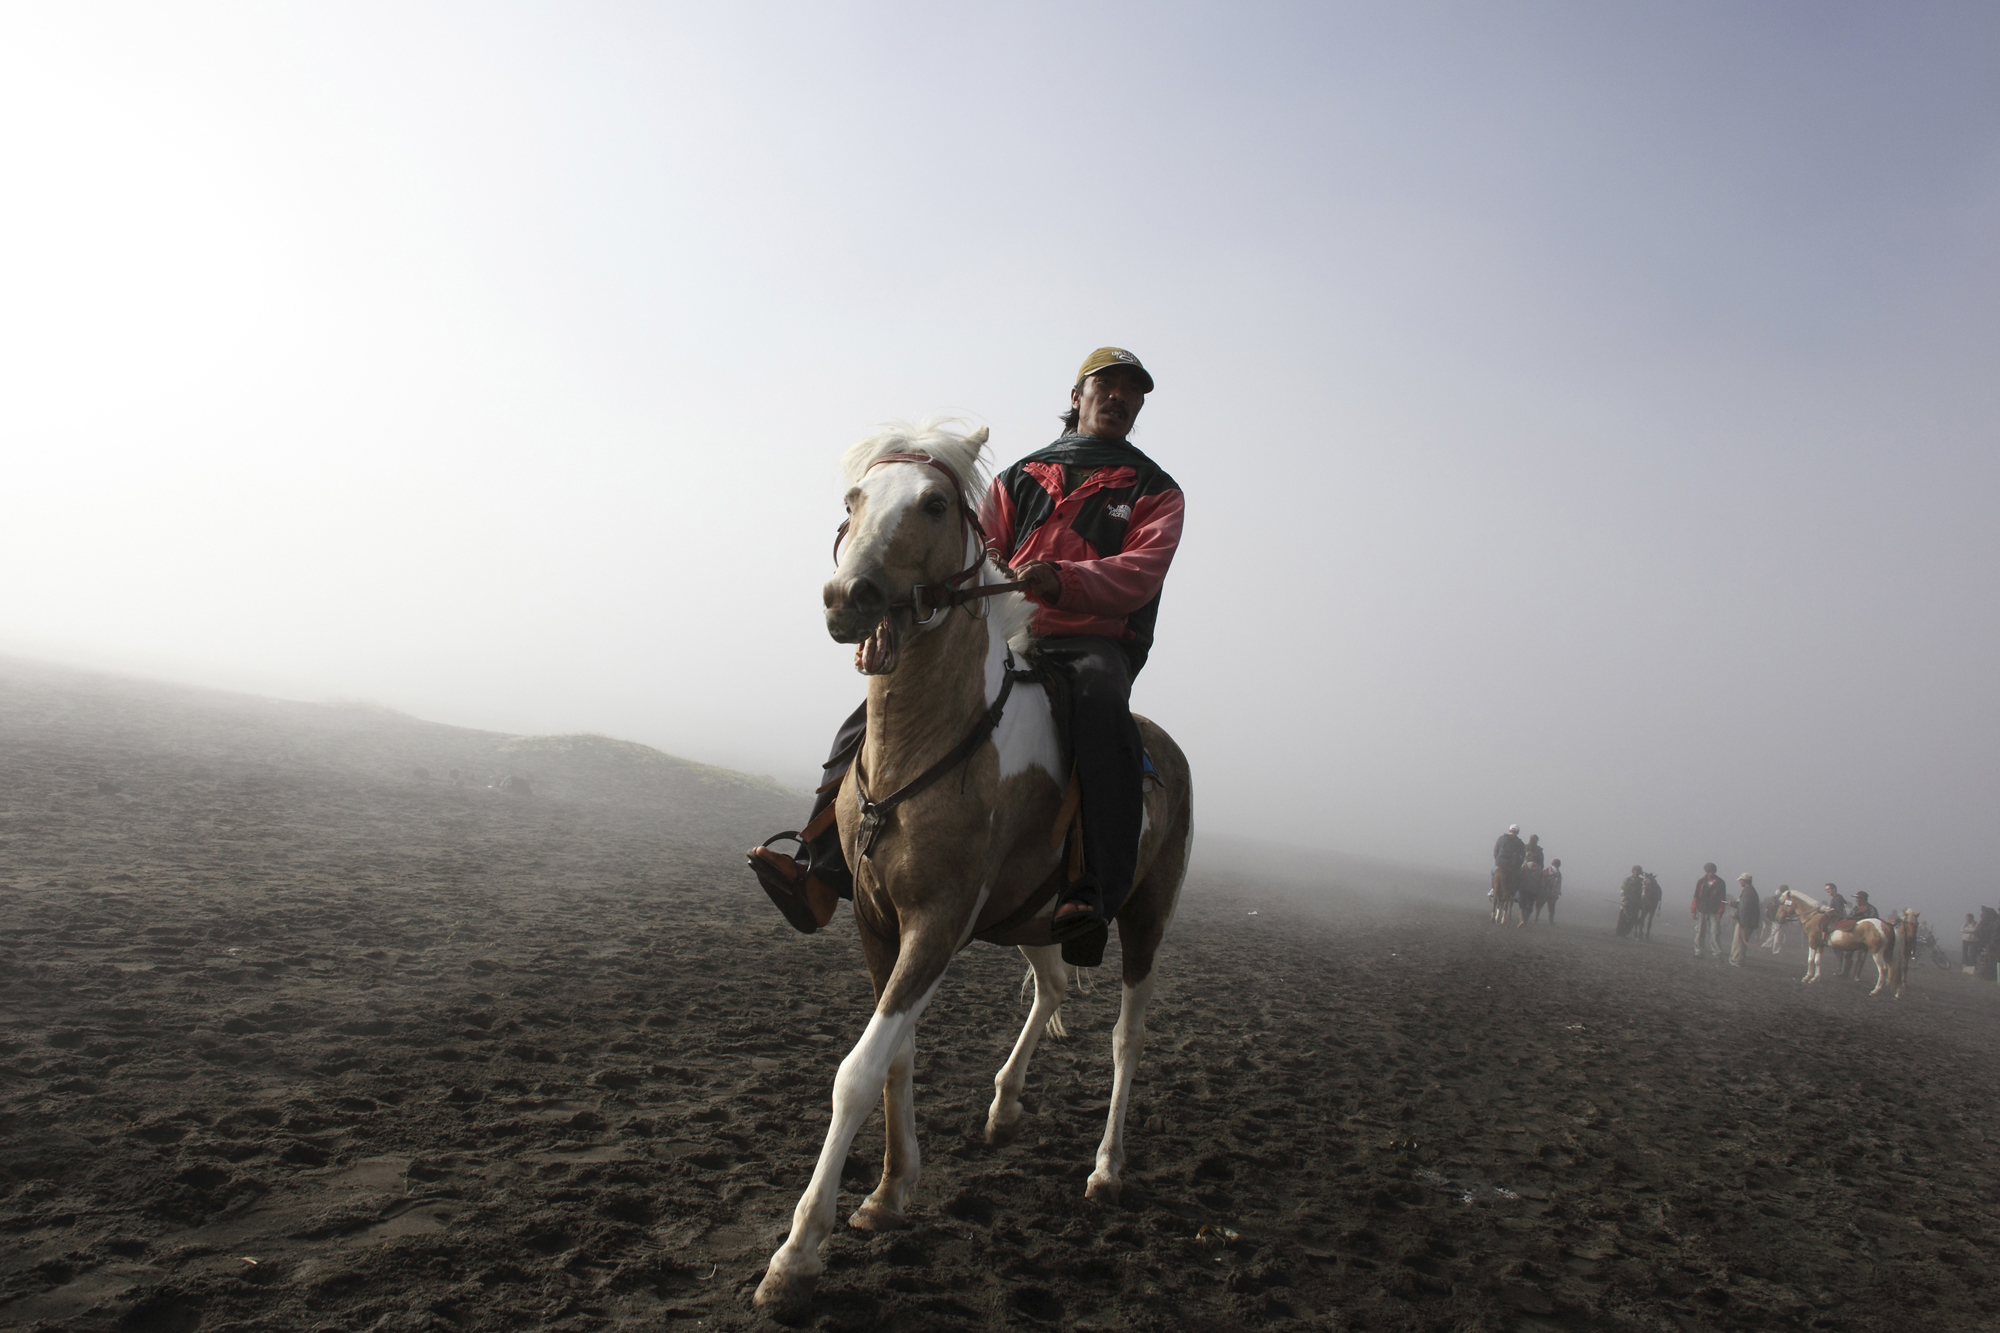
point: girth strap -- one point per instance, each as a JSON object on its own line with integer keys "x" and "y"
{"x": 1021, "y": 915}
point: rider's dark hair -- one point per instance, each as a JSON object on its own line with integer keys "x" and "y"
{"x": 1069, "y": 420}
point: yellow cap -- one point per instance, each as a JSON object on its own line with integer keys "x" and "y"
{"x": 1106, "y": 357}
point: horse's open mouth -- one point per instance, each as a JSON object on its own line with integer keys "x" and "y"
{"x": 876, "y": 655}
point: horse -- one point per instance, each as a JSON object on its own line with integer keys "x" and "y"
{"x": 1552, "y": 890}
{"x": 1532, "y": 893}
{"x": 946, "y": 817}
{"x": 1506, "y": 886}
{"x": 1888, "y": 943}
{"x": 1649, "y": 907}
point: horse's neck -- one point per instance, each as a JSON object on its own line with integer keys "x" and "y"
{"x": 928, "y": 704}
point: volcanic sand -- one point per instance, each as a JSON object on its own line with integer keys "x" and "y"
{"x": 294, "y": 1037}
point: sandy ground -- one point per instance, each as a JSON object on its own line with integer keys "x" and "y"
{"x": 292, "y": 1037}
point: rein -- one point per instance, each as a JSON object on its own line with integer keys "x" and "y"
{"x": 926, "y": 600}
{"x": 874, "y": 812}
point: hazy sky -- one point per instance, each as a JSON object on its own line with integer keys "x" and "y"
{"x": 1587, "y": 411}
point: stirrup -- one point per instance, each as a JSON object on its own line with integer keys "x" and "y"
{"x": 790, "y": 884}
{"x": 1065, "y": 927}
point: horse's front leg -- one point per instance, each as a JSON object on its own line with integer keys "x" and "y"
{"x": 1127, "y": 1042}
{"x": 902, "y": 1161}
{"x": 1003, "y": 1121}
{"x": 786, "y": 1291}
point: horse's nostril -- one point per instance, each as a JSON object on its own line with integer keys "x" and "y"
{"x": 864, "y": 596}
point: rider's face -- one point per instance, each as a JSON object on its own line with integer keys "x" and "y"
{"x": 1108, "y": 402}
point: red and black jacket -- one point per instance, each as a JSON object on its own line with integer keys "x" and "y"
{"x": 1110, "y": 539}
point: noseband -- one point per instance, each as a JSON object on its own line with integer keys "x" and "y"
{"x": 926, "y": 600}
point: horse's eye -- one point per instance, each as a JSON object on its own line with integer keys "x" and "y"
{"x": 935, "y": 506}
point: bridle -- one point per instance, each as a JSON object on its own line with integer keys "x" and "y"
{"x": 927, "y": 600}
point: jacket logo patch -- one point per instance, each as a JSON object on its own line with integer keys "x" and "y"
{"x": 1122, "y": 513}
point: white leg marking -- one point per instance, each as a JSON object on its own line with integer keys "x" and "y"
{"x": 863, "y": 1075}
{"x": 1003, "y": 1121}
{"x": 1127, "y": 1042}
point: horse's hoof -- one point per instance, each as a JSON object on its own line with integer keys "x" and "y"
{"x": 999, "y": 1135}
{"x": 874, "y": 1217}
{"x": 784, "y": 1298}
{"x": 1103, "y": 1189}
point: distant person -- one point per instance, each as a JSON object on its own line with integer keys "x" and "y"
{"x": 1552, "y": 887}
{"x": 1508, "y": 853}
{"x": 1968, "y": 947}
{"x": 1629, "y": 894}
{"x": 1749, "y": 916}
{"x": 1774, "y": 929}
{"x": 1710, "y": 893}
{"x": 1532, "y": 854}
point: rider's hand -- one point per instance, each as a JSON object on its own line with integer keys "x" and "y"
{"x": 1043, "y": 579}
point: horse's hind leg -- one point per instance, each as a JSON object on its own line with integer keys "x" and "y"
{"x": 1127, "y": 1042}
{"x": 1003, "y": 1121}
{"x": 1142, "y": 925}
{"x": 902, "y": 1162}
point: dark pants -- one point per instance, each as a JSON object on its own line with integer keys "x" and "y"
{"x": 1108, "y": 767}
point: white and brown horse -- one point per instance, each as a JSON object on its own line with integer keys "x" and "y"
{"x": 972, "y": 846}
{"x": 1888, "y": 943}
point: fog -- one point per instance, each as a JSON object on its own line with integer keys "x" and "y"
{"x": 1587, "y": 412}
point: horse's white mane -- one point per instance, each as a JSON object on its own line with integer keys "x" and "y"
{"x": 964, "y": 456}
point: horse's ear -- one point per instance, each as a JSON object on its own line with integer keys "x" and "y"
{"x": 978, "y": 438}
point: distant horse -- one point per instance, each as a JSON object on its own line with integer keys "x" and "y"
{"x": 1533, "y": 894}
{"x": 1649, "y": 907}
{"x": 1506, "y": 887}
{"x": 1888, "y": 943}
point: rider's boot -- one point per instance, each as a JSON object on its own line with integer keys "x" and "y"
{"x": 798, "y": 885}
{"x": 808, "y": 887}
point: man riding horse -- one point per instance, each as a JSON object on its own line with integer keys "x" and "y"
{"x": 1089, "y": 526}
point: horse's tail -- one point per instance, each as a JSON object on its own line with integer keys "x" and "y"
{"x": 1056, "y": 1029}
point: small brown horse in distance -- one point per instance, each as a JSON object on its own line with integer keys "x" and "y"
{"x": 964, "y": 855}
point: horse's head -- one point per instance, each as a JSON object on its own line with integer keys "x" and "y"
{"x": 1794, "y": 906}
{"x": 910, "y": 532}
